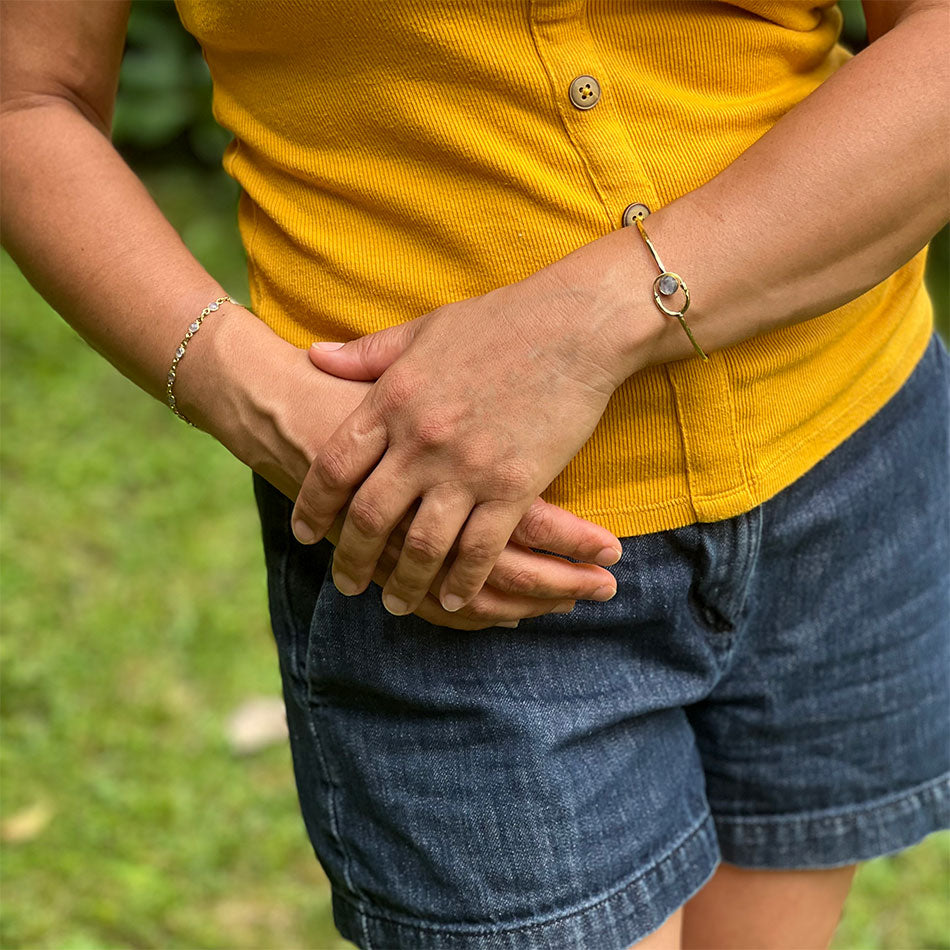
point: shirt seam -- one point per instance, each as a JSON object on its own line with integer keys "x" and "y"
{"x": 753, "y": 480}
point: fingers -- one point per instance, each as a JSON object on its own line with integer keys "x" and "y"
{"x": 366, "y": 358}
{"x": 489, "y": 609}
{"x": 481, "y": 541}
{"x": 529, "y": 574}
{"x": 427, "y": 542}
{"x": 372, "y": 515}
{"x": 551, "y": 528}
{"x": 340, "y": 466}
{"x": 523, "y": 583}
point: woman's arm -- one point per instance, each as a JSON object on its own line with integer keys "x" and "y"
{"x": 88, "y": 236}
{"x": 85, "y": 232}
{"x": 843, "y": 190}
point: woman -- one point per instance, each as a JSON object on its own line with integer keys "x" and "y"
{"x": 478, "y": 198}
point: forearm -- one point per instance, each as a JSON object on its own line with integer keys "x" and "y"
{"x": 844, "y": 189}
{"x": 86, "y": 233}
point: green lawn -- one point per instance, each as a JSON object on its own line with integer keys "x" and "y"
{"x": 134, "y": 621}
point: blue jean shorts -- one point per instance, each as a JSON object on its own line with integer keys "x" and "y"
{"x": 770, "y": 690}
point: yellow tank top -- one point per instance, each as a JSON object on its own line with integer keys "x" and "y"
{"x": 397, "y": 155}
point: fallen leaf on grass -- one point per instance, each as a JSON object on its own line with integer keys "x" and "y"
{"x": 26, "y": 824}
{"x": 256, "y": 724}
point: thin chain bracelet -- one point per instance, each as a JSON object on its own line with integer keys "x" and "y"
{"x": 667, "y": 284}
{"x": 180, "y": 352}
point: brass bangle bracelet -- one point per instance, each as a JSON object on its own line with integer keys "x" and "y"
{"x": 666, "y": 284}
{"x": 180, "y": 352}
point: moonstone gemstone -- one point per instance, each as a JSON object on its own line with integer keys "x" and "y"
{"x": 668, "y": 285}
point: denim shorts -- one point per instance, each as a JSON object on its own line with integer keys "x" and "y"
{"x": 771, "y": 690}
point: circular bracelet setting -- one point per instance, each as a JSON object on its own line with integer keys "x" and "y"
{"x": 180, "y": 352}
{"x": 665, "y": 284}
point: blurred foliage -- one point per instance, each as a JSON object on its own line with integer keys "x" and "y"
{"x": 854, "y": 32}
{"x": 165, "y": 89}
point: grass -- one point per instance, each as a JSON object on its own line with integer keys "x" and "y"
{"x": 134, "y": 621}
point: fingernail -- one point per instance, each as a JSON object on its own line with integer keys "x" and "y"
{"x": 452, "y": 602}
{"x": 563, "y": 608}
{"x": 345, "y": 584}
{"x": 507, "y": 623}
{"x": 326, "y": 345}
{"x": 303, "y": 533}
{"x": 395, "y": 605}
{"x": 608, "y": 556}
{"x": 605, "y": 592}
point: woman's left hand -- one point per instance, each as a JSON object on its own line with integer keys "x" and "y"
{"x": 486, "y": 400}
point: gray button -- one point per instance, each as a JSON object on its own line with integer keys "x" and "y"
{"x": 634, "y": 211}
{"x": 585, "y": 92}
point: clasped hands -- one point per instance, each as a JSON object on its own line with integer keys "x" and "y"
{"x": 477, "y": 406}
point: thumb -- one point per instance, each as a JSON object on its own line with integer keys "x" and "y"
{"x": 366, "y": 357}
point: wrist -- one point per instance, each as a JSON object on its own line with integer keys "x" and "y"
{"x": 236, "y": 383}
{"x": 614, "y": 276}
{"x": 264, "y": 400}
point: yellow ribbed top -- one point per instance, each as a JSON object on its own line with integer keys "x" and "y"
{"x": 398, "y": 155}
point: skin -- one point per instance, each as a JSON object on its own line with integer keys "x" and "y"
{"x": 552, "y": 348}
{"x": 745, "y": 909}
{"x": 85, "y": 232}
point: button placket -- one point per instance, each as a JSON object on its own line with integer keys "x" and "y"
{"x": 571, "y": 60}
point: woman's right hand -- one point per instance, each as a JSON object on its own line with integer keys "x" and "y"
{"x": 266, "y": 403}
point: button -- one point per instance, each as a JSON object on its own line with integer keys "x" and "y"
{"x": 634, "y": 211}
{"x": 585, "y": 92}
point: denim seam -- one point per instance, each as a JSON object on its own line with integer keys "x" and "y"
{"x": 285, "y": 596}
{"x": 286, "y": 548}
{"x": 302, "y": 673}
{"x": 334, "y": 824}
{"x": 749, "y": 528}
{"x": 419, "y": 924}
{"x": 285, "y": 605}
{"x": 932, "y": 789}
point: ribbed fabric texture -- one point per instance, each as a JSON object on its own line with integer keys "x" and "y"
{"x": 397, "y": 155}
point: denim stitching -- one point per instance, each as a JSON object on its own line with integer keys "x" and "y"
{"x": 333, "y": 789}
{"x": 932, "y": 789}
{"x": 419, "y": 924}
{"x": 283, "y": 588}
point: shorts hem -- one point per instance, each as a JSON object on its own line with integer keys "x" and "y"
{"x": 626, "y": 915}
{"x": 837, "y": 836}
